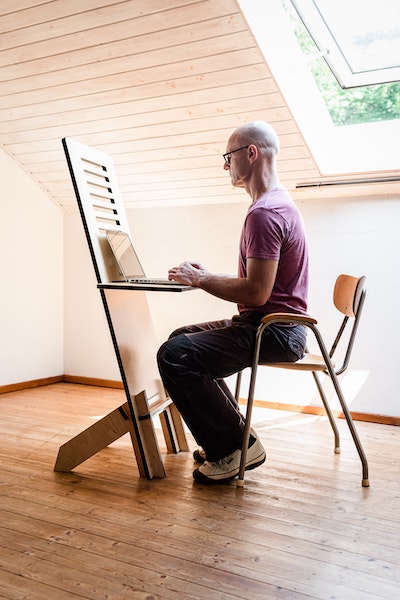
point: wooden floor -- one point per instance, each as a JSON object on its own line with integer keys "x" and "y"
{"x": 302, "y": 528}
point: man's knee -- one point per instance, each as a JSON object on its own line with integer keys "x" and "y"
{"x": 173, "y": 353}
{"x": 179, "y": 331}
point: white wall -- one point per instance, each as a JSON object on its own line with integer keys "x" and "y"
{"x": 350, "y": 236}
{"x": 31, "y": 268}
{"x": 88, "y": 350}
{"x": 44, "y": 263}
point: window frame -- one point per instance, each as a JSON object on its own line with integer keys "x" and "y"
{"x": 351, "y": 66}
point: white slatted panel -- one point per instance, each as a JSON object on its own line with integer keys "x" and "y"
{"x": 158, "y": 84}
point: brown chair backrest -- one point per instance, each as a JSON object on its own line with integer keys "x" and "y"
{"x": 347, "y": 294}
{"x": 348, "y": 297}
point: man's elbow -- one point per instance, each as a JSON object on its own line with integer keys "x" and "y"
{"x": 259, "y": 299}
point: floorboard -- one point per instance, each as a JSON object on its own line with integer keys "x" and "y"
{"x": 302, "y": 528}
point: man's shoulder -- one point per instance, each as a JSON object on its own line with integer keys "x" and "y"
{"x": 278, "y": 197}
{"x": 278, "y": 202}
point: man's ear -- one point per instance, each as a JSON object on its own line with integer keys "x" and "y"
{"x": 252, "y": 151}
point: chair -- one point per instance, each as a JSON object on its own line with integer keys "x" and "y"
{"x": 348, "y": 297}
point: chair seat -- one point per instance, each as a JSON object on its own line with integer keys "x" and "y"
{"x": 309, "y": 362}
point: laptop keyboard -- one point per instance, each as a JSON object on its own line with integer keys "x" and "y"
{"x": 156, "y": 281}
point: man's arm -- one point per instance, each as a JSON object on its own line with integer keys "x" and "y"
{"x": 254, "y": 290}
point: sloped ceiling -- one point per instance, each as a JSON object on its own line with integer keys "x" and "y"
{"x": 157, "y": 84}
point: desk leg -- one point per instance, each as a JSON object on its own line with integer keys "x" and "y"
{"x": 174, "y": 433}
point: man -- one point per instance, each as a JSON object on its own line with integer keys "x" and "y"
{"x": 272, "y": 277}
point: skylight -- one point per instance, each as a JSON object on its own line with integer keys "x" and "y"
{"x": 337, "y": 148}
{"x": 359, "y": 40}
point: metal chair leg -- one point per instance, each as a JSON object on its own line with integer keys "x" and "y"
{"x": 328, "y": 412}
{"x": 246, "y": 434}
{"x": 346, "y": 412}
{"x": 237, "y": 387}
{"x": 249, "y": 409}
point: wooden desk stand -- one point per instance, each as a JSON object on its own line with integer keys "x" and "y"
{"x": 116, "y": 424}
{"x": 130, "y": 326}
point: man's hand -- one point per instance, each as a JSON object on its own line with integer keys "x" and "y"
{"x": 188, "y": 273}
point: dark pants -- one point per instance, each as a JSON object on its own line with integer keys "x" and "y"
{"x": 194, "y": 361}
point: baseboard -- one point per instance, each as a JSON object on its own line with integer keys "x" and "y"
{"x": 24, "y": 385}
{"x": 110, "y": 383}
{"x": 310, "y": 410}
{"x": 316, "y": 410}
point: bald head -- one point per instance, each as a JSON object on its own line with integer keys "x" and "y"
{"x": 254, "y": 167}
{"x": 261, "y": 134}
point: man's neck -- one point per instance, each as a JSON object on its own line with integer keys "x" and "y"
{"x": 257, "y": 189}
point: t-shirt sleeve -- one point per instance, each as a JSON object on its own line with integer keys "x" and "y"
{"x": 264, "y": 234}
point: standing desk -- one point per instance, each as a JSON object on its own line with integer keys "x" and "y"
{"x": 130, "y": 325}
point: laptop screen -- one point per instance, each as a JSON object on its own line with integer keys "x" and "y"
{"x": 125, "y": 254}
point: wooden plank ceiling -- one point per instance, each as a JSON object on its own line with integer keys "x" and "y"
{"x": 157, "y": 84}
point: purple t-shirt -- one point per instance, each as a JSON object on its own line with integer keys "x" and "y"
{"x": 274, "y": 229}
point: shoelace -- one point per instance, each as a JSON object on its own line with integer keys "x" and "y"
{"x": 222, "y": 461}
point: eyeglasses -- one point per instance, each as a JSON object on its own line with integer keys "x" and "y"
{"x": 227, "y": 157}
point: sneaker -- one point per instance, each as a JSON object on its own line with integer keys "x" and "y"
{"x": 199, "y": 456}
{"x": 227, "y": 468}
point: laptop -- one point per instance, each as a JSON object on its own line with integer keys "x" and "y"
{"x": 129, "y": 263}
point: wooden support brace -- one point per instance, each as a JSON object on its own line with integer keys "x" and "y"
{"x": 174, "y": 433}
{"x": 110, "y": 428}
{"x": 93, "y": 439}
